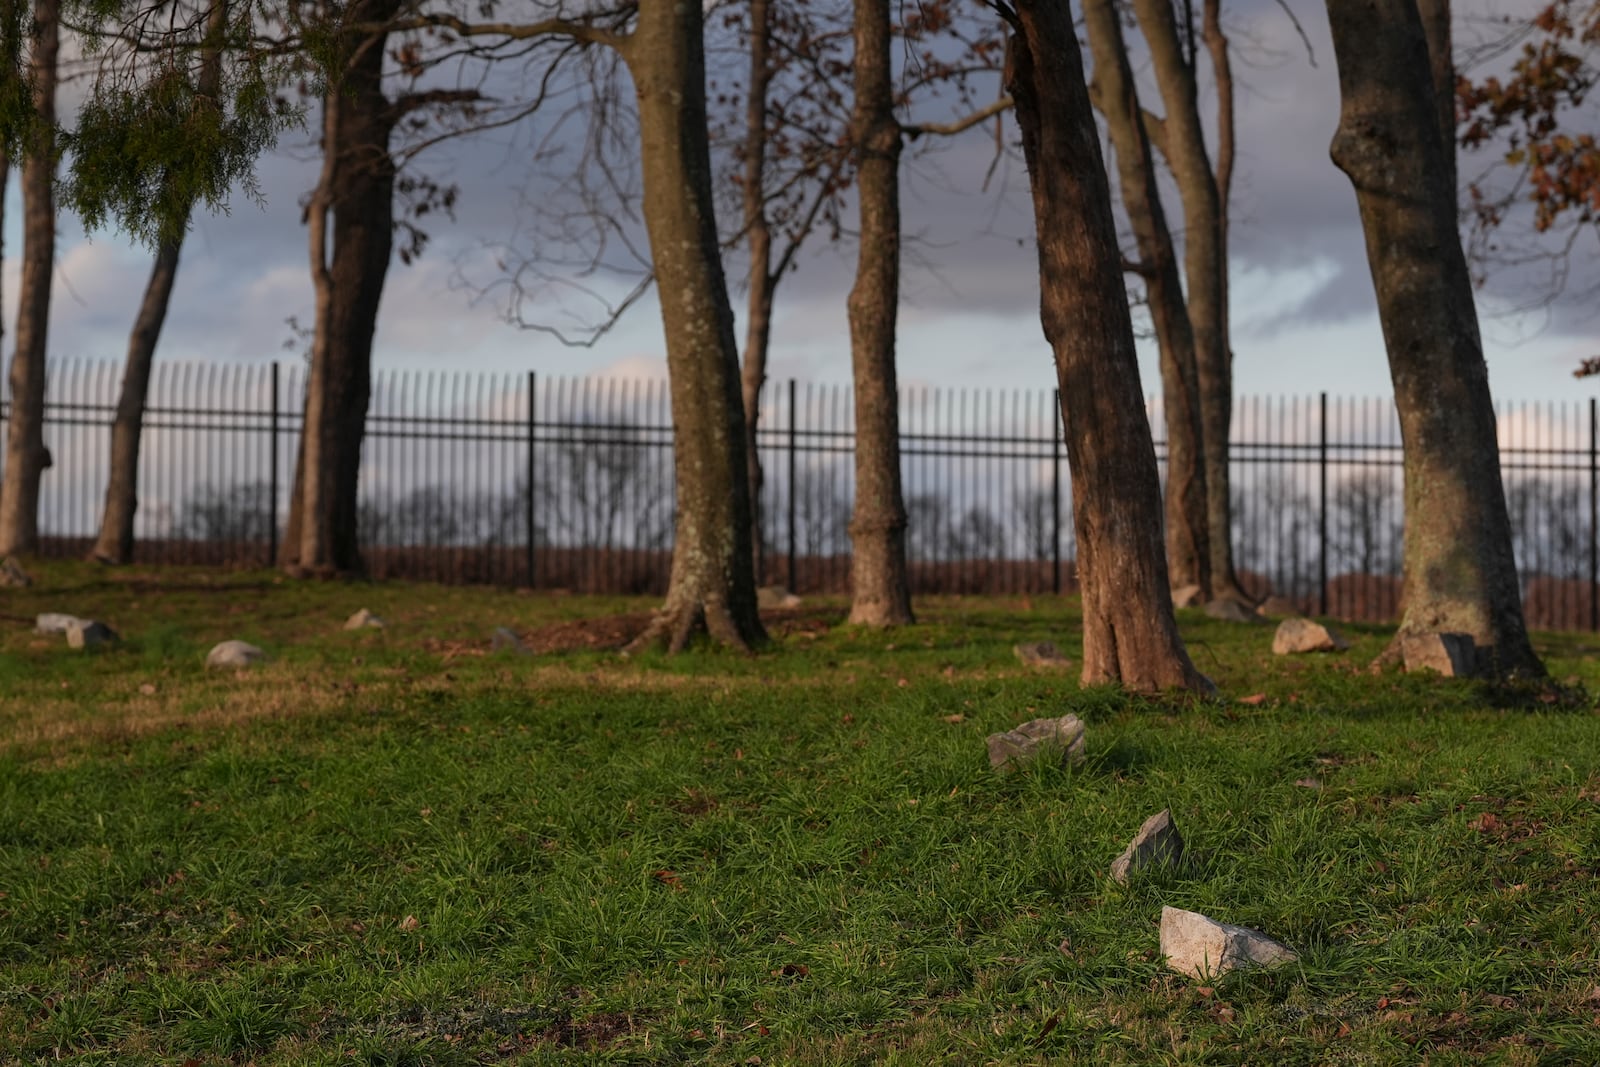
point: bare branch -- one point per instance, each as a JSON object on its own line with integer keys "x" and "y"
{"x": 960, "y": 125}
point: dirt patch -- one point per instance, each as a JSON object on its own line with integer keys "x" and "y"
{"x": 591, "y": 1033}
{"x": 606, "y": 633}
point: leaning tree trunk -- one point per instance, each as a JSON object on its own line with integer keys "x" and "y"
{"x": 712, "y": 584}
{"x": 1205, "y": 267}
{"x": 763, "y": 286}
{"x": 115, "y": 541}
{"x": 1459, "y": 572}
{"x": 26, "y": 456}
{"x": 880, "y": 590}
{"x": 1129, "y": 634}
{"x": 1116, "y": 96}
{"x": 1442, "y": 66}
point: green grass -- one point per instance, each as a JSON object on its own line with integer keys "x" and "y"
{"x": 392, "y": 848}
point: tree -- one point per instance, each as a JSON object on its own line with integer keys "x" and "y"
{"x": 114, "y": 544}
{"x": 1187, "y": 523}
{"x": 1527, "y": 118}
{"x": 1129, "y": 633}
{"x": 26, "y": 456}
{"x": 1459, "y": 571}
{"x": 1180, "y": 136}
{"x": 880, "y": 589}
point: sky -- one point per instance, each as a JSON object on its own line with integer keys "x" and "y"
{"x": 1304, "y": 316}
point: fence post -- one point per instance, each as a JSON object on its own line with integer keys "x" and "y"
{"x": 1594, "y": 516}
{"x": 1322, "y": 507}
{"x": 533, "y": 425}
{"x": 794, "y": 585}
{"x": 272, "y": 478}
{"x": 1055, "y": 491}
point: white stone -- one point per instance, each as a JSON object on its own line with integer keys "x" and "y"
{"x": 234, "y": 654}
{"x": 1203, "y": 948}
{"x": 1304, "y": 635}
{"x": 771, "y": 597}
{"x": 53, "y": 622}
{"x": 363, "y": 620}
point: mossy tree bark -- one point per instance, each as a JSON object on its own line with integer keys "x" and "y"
{"x": 712, "y": 585}
{"x": 1129, "y": 634}
{"x": 1116, "y": 97}
{"x": 26, "y": 456}
{"x": 1459, "y": 570}
{"x": 879, "y": 586}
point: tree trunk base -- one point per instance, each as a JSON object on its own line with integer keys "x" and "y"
{"x": 675, "y": 625}
{"x": 879, "y": 614}
{"x": 1489, "y": 662}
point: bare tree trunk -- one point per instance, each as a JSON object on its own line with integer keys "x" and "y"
{"x": 1222, "y": 74}
{"x": 26, "y": 456}
{"x": 763, "y": 286}
{"x": 115, "y": 541}
{"x": 1460, "y": 573}
{"x": 712, "y": 584}
{"x": 880, "y": 590}
{"x": 1442, "y": 66}
{"x": 1206, "y": 270}
{"x": 1129, "y": 634}
{"x": 1115, "y": 94}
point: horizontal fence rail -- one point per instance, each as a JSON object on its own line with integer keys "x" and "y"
{"x": 567, "y": 483}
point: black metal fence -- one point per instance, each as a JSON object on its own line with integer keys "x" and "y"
{"x": 567, "y": 483}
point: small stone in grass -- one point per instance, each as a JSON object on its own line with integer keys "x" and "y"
{"x": 1039, "y": 654}
{"x": 234, "y": 654}
{"x": 1031, "y": 740}
{"x": 1305, "y": 635}
{"x": 363, "y": 620}
{"x": 1202, "y": 947}
{"x": 505, "y": 639}
{"x": 1157, "y": 842}
{"x": 87, "y": 633}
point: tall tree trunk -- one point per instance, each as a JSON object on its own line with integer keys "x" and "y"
{"x": 1129, "y": 634}
{"x": 880, "y": 590}
{"x": 1115, "y": 94}
{"x": 26, "y": 456}
{"x": 1222, "y": 75}
{"x": 115, "y": 541}
{"x": 355, "y": 192}
{"x": 1206, "y": 270}
{"x": 712, "y": 584}
{"x": 1442, "y": 66}
{"x": 1459, "y": 572}
{"x": 763, "y": 286}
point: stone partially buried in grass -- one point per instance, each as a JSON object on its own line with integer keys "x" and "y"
{"x": 89, "y": 633}
{"x": 1296, "y": 635}
{"x": 234, "y": 655}
{"x": 1203, "y": 948}
{"x": 1157, "y": 843}
{"x": 53, "y": 622}
{"x": 363, "y": 620}
{"x": 1039, "y": 654}
{"x": 1061, "y": 739}
{"x": 775, "y": 598}
{"x": 505, "y": 639}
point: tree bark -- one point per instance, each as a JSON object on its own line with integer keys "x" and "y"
{"x": 1442, "y": 66}
{"x": 115, "y": 541}
{"x": 1116, "y": 97}
{"x": 1129, "y": 634}
{"x": 1206, "y": 271}
{"x": 712, "y": 584}
{"x": 26, "y": 456}
{"x": 1459, "y": 571}
{"x": 355, "y": 192}
{"x": 763, "y": 286}
{"x": 880, "y": 589}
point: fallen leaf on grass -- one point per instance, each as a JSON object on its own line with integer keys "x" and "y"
{"x": 957, "y": 717}
{"x": 1253, "y": 699}
{"x": 1498, "y": 1001}
{"x": 1308, "y": 783}
{"x": 1049, "y": 1025}
{"x": 669, "y": 878}
{"x": 147, "y": 689}
{"x": 792, "y": 970}
{"x": 410, "y": 922}
{"x": 1487, "y": 823}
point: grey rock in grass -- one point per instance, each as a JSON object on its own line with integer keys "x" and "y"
{"x": 1277, "y": 607}
{"x": 363, "y": 620}
{"x": 234, "y": 655}
{"x": 1034, "y": 740}
{"x": 1039, "y": 654}
{"x": 505, "y": 639}
{"x": 1157, "y": 843}
{"x": 53, "y": 622}
{"x": 1228, "y": 609}
{"x": 1305, "y": 635}
{"x": 1452, "y": 655}
{"x": 1203, "y": 948}
{"x": 88, "y": 633}
{"x": 12, "y": 576}
{"x": 1186, "y": 596}
{"x": 770, "y": 597}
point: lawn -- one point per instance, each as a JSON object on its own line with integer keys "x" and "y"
{"x": 393, "y": 847}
